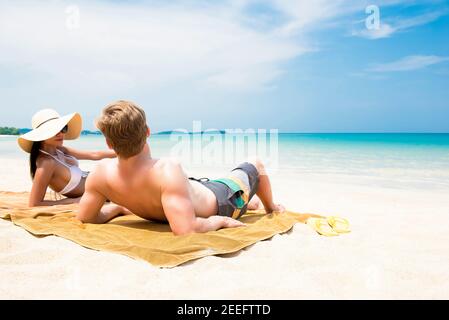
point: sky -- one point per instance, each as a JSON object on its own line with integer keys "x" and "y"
{"x": 291, "y": 65}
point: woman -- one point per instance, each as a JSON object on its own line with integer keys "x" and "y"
{"x": 53, "y": 165}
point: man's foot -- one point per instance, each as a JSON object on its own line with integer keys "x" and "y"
{"x": 276, "y": 208}
{"x": 280, "y": 208}
{"x": 254, "y": 203}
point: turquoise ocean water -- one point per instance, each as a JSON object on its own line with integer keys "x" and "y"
{"x": 395, "y": 160}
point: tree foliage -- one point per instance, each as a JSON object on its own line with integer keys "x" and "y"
{"x": 9, "y": 131}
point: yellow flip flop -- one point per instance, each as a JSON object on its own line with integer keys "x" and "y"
{"x": 338, "y": 224}
{"x": 321, "y": 226}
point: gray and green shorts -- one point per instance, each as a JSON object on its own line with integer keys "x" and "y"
{"x": 235, "y": 190}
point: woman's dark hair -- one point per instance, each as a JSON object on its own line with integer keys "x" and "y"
{"x": 33, "y": 157}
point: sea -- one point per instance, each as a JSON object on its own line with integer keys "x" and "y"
{"x": 391, "y": 160}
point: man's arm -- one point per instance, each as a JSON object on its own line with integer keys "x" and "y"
{"x": 178, "y": 207}
{"x": 92, "y": 208}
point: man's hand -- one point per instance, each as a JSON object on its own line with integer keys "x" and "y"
{"x": 110, "y": 211}
{"x": 216, "y": 222}
{"x": 227, "y": 222}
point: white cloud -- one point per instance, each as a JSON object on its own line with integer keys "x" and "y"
{"x": 408, "y": 63}
{"x": 121, "y": 46}
{"x": 384, "y": 31}
{"x": 240, "y": 79}
{"x": 306, "y": 14}
{"x": 389, "y": 26}
{"x": 153, "y": 44}
{"x": 127, "y": 45}
{"x": 319, "y": 14}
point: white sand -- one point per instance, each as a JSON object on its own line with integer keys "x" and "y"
{"x": 399, "y": 249}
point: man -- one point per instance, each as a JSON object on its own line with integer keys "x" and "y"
{"x": 158, "y": 189}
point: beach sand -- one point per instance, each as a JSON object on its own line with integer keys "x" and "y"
{"x": 398, "y": 249}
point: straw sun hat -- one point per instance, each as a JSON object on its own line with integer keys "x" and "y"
{"x": 46, "y": 124}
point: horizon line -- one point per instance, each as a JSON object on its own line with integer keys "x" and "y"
{"x": 223, "y": 131}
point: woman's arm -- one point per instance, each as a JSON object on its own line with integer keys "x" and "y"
{"x": 89, "y": 155}
{"x": 46, "y": 203}
{"x": 42, "y": 178}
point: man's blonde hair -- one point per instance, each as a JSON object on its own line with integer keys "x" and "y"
{"x": 124, "y": 125}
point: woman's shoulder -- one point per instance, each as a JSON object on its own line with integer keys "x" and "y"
{"x": 63, "y": 151}
{"x": 44, "y": 161}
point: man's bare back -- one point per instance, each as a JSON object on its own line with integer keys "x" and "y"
{"x": 139, "y": 189}
{"x": 158, "y": 189}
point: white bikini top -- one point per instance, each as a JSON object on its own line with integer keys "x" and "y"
{"x": 76, "y": 174}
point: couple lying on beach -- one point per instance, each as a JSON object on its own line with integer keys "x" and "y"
{"x": 136, "y": 183}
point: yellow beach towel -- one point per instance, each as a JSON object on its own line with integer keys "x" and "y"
{"x": 142, "y": 239}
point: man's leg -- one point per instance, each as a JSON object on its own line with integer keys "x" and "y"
{"x": 264, "y": 190}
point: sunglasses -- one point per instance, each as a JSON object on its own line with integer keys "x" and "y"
{"x": 65, "y": 129}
